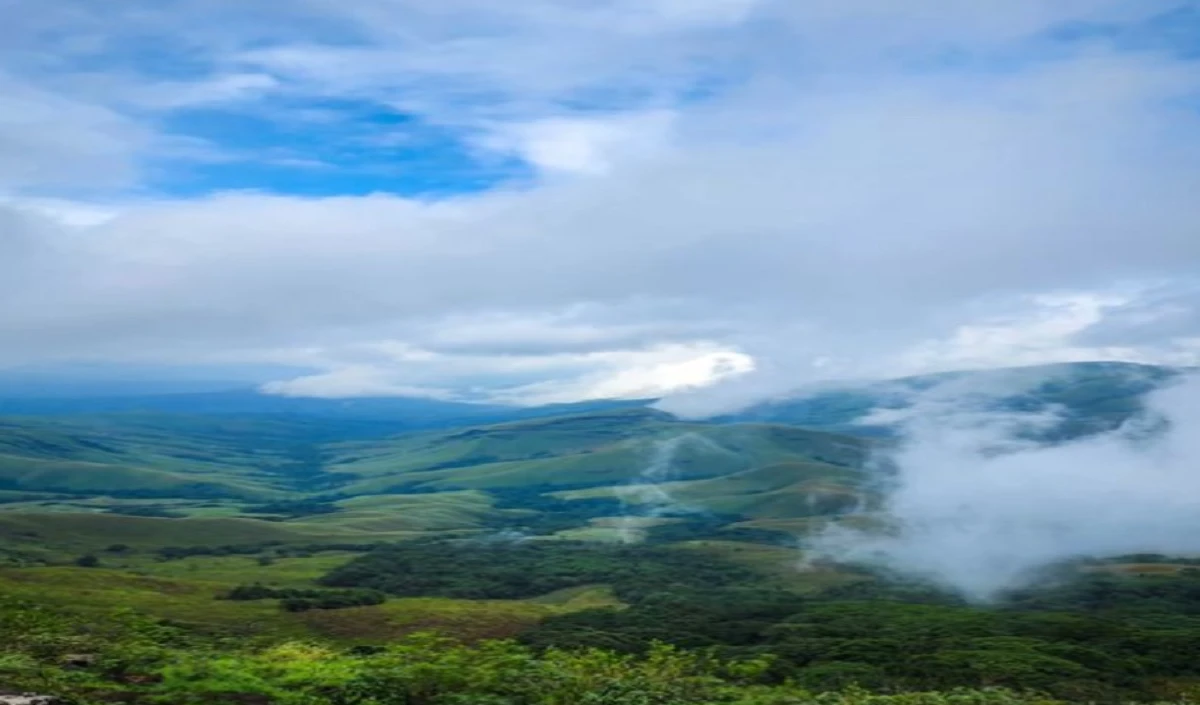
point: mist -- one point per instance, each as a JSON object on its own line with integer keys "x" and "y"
{"x": 978, "y": 507}
{"x": 648, "y": 496}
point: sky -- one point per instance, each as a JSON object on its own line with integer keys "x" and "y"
{"x": 554, "y": 200}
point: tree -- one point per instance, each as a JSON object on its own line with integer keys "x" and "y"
{"x": 87, "y": 561}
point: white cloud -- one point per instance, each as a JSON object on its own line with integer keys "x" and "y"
{"x": 1043, "y": 333}
{"x": 638, "y": 375}
{"x": 584, "y": 145}
{"x": 352, "y": 381}
{"x": 531, "y": 378}
{"x": 227, "y": 88}
{"x": 982, "y": 521}
{"x": 829, "y": 189}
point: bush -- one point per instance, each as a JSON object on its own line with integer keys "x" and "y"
{"x": 302, "y": 600}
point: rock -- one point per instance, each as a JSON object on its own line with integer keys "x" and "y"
{"x": 27, "y": 699}
{"x": 79, "y": 660}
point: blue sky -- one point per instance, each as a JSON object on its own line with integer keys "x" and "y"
{"x": 327, "y": 147}
{"x": 565, "y": 199}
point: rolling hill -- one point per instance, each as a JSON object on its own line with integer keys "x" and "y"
{"x": 609, "y": 525}
{"x": 1091, "y": 396}
{"x": 300, "y": 471}
{"x": 76, "y": 483}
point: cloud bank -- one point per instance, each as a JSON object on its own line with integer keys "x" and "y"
{"x": 980, "y": 510}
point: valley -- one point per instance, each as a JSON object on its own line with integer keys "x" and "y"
{"x": 612, "y": 527}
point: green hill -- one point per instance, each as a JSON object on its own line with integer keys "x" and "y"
{"x": 266, "y": 479}
{"x": 1093, "y": 396}
{"x": 615, "y": 471}
{"x": 599, "y": 466}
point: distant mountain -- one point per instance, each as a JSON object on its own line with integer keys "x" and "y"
{"x": 73, "y": 381}
{"x": 405, "y": 412}
{"x": 258, "y": 466}
{"x": 1092, "y": 396}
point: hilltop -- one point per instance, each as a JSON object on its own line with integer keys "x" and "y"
{"x": 1091, "y": 396}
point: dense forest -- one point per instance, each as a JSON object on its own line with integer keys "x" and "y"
{"x": 140, "y": 662}
{"x": 1083, "y": 636}
{"x": 522, "y": 569}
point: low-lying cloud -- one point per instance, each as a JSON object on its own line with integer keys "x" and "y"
{"x": 980, "y": 508}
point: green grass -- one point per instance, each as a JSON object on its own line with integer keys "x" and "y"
{"x": 192, "y": 602}
{"x": 81, "y": 476}
{"x": 522, "y": 440}
{"x": 88, "y": 532}
{"x": 210, "y": 469}
{"x": 297, "y": 571}
{"x": 789, "y": 491}
{"x": 599, "y": 534}
{"x": 626, "y": 529}
{"x": 422, "y": 512}
{"x": 800, "y": 526}
{"x": 584, "y": 597}
{"x": 780, "y": 565}
{"x": 590, "y": 450}
{"x": 464, "y": 619}
{"x": 127, "y": 454}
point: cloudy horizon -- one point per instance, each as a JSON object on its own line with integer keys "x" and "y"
{"x": 561, "y": 200}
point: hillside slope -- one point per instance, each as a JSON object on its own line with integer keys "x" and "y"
{"x": 1091, "y": 396}
{"x": 279, "y": 475}
{"x": 618, "y": 471}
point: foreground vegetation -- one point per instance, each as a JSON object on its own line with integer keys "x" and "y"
{"x": 1086, "y": 633}
{"x": 126, "y": 659}
{"x": 557, "y": 622}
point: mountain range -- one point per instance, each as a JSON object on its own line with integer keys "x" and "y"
{"x": 75, "y": 472}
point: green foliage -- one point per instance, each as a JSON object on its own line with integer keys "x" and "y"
{"x": 171, "y": 553}
{"x": 37, "y": 641}
{"x": 140, "y": 662}
{"x": 302, "y": 599}
{"x": 543, "y": 514}
{"x": 713, "y": 526}
{"x": 1093, "y": 636}
{"x": 681, "y": 645}
{"x": 1067, "y": 641}
{"x": 513, "y": 570}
